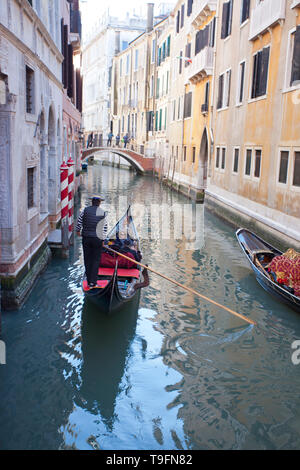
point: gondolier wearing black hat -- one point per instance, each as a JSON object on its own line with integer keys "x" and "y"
{"x": 92, "y": 226}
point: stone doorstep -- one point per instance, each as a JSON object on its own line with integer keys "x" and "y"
{"x": 15, "y": 290}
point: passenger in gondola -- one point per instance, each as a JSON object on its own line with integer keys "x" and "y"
{"x": 92, "y": 226}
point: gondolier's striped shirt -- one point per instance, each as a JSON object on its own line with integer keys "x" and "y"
{"x": 80, "y": 221}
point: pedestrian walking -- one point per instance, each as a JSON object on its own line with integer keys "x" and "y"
{"x": 110, "y": 136}
{"x": 126, "y": 140}
{"x": 118, "y": 140}
{"x": 92, "y": 226}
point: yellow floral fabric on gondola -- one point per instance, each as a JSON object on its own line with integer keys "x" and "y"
{"x": 287, "y": 269}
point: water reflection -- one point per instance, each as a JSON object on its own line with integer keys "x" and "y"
{"x": 106, "y": 342}
{"x": 179, "y": 373}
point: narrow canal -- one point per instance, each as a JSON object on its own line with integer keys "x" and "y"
{"x": 174, "y": 373}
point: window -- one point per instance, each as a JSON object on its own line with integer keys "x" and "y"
{"x": 178, "y": 21}
{"x": 224, "y": 90}
{"x": 189, "y": 7}
{"x": 184, "y": 153}
{"x": 165, "y": 118}
{"x": 168, "y": 46}
{"x": 180, "y": 62}
{"x": 188, "y": 105}
{"x": 257, "y": 163}
{"x": 136, "y": 59}
{"x": 260, "y": 73}
{"x": 182, "y": 16}
{"x": 220, "y": 92}
{"x": 205, "y": 105}
{"x": 194, "y": 154}
{"x": 241, "y": 82}
{"x": 127, "y": 64}
{"x": 30, "y": 187}
{"x": 121, "y": 63}
{"x": 295, "y": 74}
{"x": 160, "y": 119}
{"x": 164, "y": 51}
{"x": 149, "y": 120}
{"x": 223, "y": 158}
{"x": 218, "y": 157}
{"x": 159, "y": 56}
{"x": 156, "y": 121}
{"x": 153, "y": 50}
{"x": 283, "y": 167}
{"x": 248, "y": 162}
{"x": 226, "y": 19}
{"x": 296, "y": 177}
{"x": 187, "y": 53}
{"x": 29, "y": 90}
{"x": 152, "y": 86}
{"x": 236, "y": 160}
{"x": 178, "y": 110}
{"x": 245, "y": 10}
{"x": 202, "y": 39}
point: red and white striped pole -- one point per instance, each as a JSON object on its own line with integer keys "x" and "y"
{"x": 71, "y": 165}
{"x": 64, "y": 185}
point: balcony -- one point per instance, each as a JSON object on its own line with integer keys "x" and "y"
{"x": 201, "y": 66}
{"x": 265, "y": 15}
{"x": 201, "y": 10}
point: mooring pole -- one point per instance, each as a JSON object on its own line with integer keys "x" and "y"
{"x": 71, "y": 166}
{"x": 64, "y": 169}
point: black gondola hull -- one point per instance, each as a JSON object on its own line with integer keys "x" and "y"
{"x": 244, "y": 237}
{"x": 110, "y": 299}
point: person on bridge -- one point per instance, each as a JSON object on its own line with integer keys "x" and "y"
{"x": 126, "y": 140}
{"x": 110, "y": 136}
{"x": 92, "y": 226}
{"x": 117, "y": 140}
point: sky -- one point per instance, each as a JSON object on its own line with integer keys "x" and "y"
{"x": 92, "y": 9}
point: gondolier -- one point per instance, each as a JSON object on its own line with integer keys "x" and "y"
{"x": 92, "y": 226}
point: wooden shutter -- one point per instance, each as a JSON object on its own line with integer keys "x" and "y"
{"x": 295, "y": 76}
{"x": 225, "y": 16}
{"x": 70, "y": 71}
{"x": 229, "y": 21}
{"x": 254, "y": 76}
{"x": 212, "y": 32}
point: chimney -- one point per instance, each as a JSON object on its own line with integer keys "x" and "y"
{"x": 117, "y": 42}
{"x": 150, "y": 10}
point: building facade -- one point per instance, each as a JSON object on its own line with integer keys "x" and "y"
{"x": 72, "y": 83}
{"x": 218, "y": 107}
{"x": 31, "y": 139}
{"x": 108, "y": 37}
{"x": 255, "y": 169}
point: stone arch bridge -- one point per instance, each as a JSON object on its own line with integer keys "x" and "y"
{"x": 141, "y": 164}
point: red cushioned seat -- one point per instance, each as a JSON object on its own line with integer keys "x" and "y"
{"x": 121, "y": 272}
{"x": 109, "y": 261}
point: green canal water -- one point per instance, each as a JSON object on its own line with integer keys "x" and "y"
{"x": 172, "y": 372}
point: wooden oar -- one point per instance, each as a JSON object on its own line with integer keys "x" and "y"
{"x": 184, "y": 287}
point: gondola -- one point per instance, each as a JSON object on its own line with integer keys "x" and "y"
{"x": 260, "y": 254}
{"x": 119, "y": 281}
